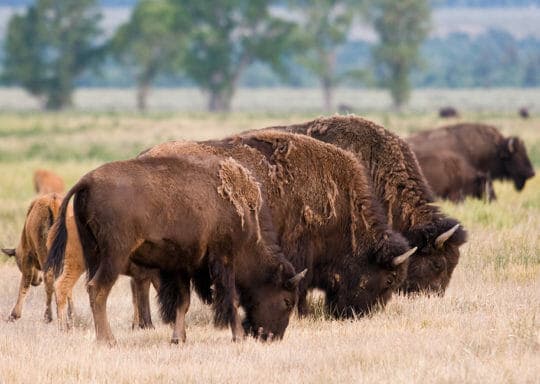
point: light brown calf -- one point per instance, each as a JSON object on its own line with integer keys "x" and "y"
{"x": 46, "y": 181}
{"x": 31, "y": 253}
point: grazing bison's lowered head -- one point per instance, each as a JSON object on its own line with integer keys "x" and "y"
{"x": 36, "y": 274}
{"x": 517, "y": 165}
{"x": 431, "y": 268}
{"x": 364, "y": 286}
{"x": 269, "y": 305}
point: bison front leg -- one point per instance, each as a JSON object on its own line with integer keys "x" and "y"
{"x": 184, "y": 297}
{"x": 140, "y": 290}
{"x": 226, "y": 301}
{"x": 24, "y": 286}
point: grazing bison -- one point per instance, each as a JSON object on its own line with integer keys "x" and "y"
{"x": 452, "y": 178}
{"x": 447, "y": 112}
{"x": 31, "y": 252}
{"x": 192, "y": 219}
{"x": 398, "y": 183}
{"x": 482, "y": 146}
{"x": 324, "y": 213}
{"x": 524, "y": 112}
{"x": 46, "y": 181}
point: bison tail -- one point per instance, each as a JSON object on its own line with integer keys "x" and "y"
{"x": 55, "y": 258}
{"x": 168, "y": 296}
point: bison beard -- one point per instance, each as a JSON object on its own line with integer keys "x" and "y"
{"x": 168, "y": 214}
{"x": 400, "y": 186}
{"x": 326, "y": 218}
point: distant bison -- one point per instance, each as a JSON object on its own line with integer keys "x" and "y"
{"x": 192, "y": 219}
{"x": 399, "y": 185}
{"x": 524, "y": 112}
{"x": 447, "y": 112}
{"x": 46, "y": 181}
{"x": 482, "y": 146}
{"x": 452, "y": 178}
{"x": 326, "y": 217}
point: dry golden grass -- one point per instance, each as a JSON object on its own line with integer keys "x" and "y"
{"x": 485, "y": 329}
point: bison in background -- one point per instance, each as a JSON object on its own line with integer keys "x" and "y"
{"x": 452, "y": 178}
{"x": 447, "y": 112}
{"x": 399, "y": 185}
{"x": 192, "y": 219}
{"x": 482, "y": 146}
{"x": 523, "y": 112}
{"x": 46, "y": 181}
{"x": 326, "y": 217}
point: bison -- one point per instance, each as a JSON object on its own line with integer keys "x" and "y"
{"x": 482, "y": 146}
{"x": 452, "y": 178}
{"x": 46, "y": 181}
{"x": 400, "y": 186}
{"x": 191, "y": 218}
{"x": 447, "y": 112}
{"x": 524, "y": 113}
{"x": 31, "y": 252}
{"x": 324, "y": 213}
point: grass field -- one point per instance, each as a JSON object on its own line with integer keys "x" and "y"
{"x": 485, "y": 329}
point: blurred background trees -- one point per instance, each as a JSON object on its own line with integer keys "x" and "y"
{"x": 52, "y": 46}
{"x": 49, "y": 45}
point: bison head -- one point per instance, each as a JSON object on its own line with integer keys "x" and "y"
{"x": 268, "y": 306}
{"x": 359, "y": 287}
{"x": 17, "y": 253}
{"x": 517, "y": 165}
{"x": 432, "y": 266}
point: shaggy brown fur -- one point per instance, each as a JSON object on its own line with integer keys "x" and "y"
{"x": 447, "y": 112}
{"x": 325, "y": 216}
{"x": 452, "y": 178}
{"x": 181, "y": 216}
{"x": 400, "y": 186}
{"x": 482, "y": 146}
{"x": 46, "y": 181}
{"x": 31, "y": 253}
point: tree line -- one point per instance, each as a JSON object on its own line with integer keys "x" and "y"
{"x": 211, "y": 43}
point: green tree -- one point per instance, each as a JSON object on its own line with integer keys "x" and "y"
{"x": 225, "y": 37}
{"x": 151, "y": 43}
{"x": 49, "y": 45}
{"x": 401, "y": 26}
{"x": 325, "y": 26}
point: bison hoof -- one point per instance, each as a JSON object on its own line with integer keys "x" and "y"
{"x": 47, "y": 317}
{"x": 13, "y": 317}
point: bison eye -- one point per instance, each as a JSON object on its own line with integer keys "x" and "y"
{"x": 288, "y": 304}
{"x": 437, "y": 265}
{"x": 389, "y": 281}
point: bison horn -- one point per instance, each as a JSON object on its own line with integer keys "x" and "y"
{"x": 297, "y": 278}
{"x": 9, "y": 251}
{"x": 442, "y": 238}
{"x": 511, "y": 145}
{"x": 402, "y": 258}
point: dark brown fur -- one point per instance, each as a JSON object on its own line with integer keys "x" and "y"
{"x": 399, "y": 184}
{"x": 181, "y": 216}
{"x": 482, "y": 146}
{"x": 447, "y": 112}
{"x": 452, "y": 178}
{"x": 323, "y": 210}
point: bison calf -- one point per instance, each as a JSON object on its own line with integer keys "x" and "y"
{"x": 193, "y": 219}
{"x": 46, "y": 181}
{"x": 31, "y": 252}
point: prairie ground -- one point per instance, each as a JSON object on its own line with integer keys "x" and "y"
{"x": 485, "y": 329}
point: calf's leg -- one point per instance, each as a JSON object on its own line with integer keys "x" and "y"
{"x": 63, "y": 289}
{"x": 26, "y": 280}
{"x": 140, "y": 289}
{"x": 49, "y": 290}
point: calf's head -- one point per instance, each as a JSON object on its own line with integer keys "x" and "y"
{"x": 516, "y": 162}
{"x": 431, "y": 268}
{"x": 359, "y": 286}
{"x": 268, "y": 305}
{"x": 18, "y": 254}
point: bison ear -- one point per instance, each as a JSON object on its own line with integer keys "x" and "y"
{"x": 9, "y": 251}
